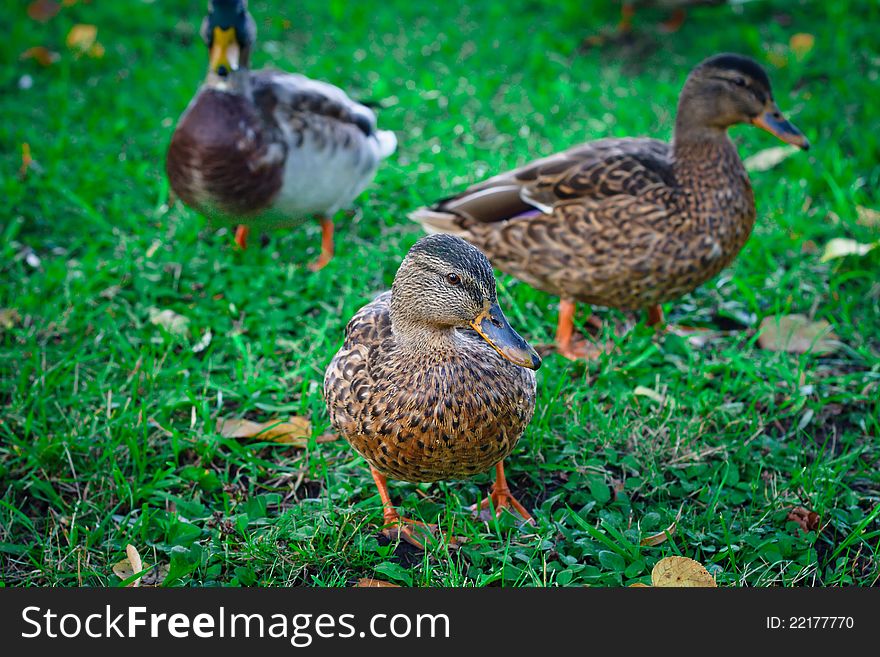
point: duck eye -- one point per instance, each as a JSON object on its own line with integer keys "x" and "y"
{"x": 739, "y": 82}
{"x": 453, "y": 279}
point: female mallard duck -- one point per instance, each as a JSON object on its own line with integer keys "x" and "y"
{"x": 627, "y": 223}
{"x": 268, "y": 148}
{"x": 432, "y": 382}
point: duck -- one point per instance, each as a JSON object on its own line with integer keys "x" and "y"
{"x": 431, "y": 382}
{"x": 632, "y": 222}
{"x": 677, "y": 8}
{"x": 266, "y": 148}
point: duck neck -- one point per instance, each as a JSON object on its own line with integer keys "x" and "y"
{"x": 237, "y": 82}
{"x": 704, "y": 155}
{"x": 426, "y": 342}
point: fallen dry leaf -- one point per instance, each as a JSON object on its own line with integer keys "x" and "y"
{"x": 768, "y": 158}
{"x": 171, "y": 321}
{"x": 659, "y": 537}
{"x": 369, "y": 582}
{"x": 798, "y": 335}
{"x": 639, "y": 585}
{"x": 154, "y": 576}
{"x": 295, "y": 431}
{"x": 41, "y": 55}
{"x": 807, "y": 521}
{"x": 43, "y": 10}
{"x": 840, "y": 247}
{"x": 9, "y": 317}
{"x": 867, "y": 217}
{"x": 134, "y": 560}
{"x": 82, "y": 39}
{"x": 681, "y": 572}
{"x": 801, "y": 44}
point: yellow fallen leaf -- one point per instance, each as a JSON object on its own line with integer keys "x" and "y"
{"x": 96, "y": 51}
{"x": 681, "y": 572}
{"x": 801, "y": 44}
{"x": 369, "y": 582}
{"x": 798, "y": 335}
{"x": 82, "y": 37}
{"x": 295, "y": 431}
{"x": 768, "y": 158}
{"x": 840, "y": 247}
{"x": 154, "y": 576}
{"x": 135, "y": 560}
{"x": 638, "y": 585}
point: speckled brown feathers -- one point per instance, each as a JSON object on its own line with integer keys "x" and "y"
{"x": 452, "y": 414}
{"x": 626, "y": 223}
{"x": 619, "y": 222}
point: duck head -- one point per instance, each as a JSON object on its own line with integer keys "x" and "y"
{"x": 729, "y": 89}
{"x": 229, "y": 31}
{"x": 445, "y": 283}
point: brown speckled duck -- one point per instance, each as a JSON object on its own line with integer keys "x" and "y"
{"x": 268, "y": 148}
{"x": 633, "y": 222}
{"x": 432, "y": 382}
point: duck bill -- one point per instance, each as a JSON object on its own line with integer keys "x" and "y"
{"x": 494, "y": 328}
{"x": 773, "y": 122}
{"x": 224, "y": 51}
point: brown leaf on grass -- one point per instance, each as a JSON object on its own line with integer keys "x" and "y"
{"x": 41, "y": 55}
{"x": 841, "y": 247}
{"x": 768, "y": 158}
{"x": 9, "y": 317}
{"x": 369, "y": 582}
{"x": 129, "y": 567}
{"x": 659, "y": 537}
{"x": 681, "y": 572}
{"x": 639, "y": 585}
{"x": 798, "y": 335}
{"x": 43, "y": 10}
{"x": 173, "y": 322}
{"x": 295, "y": 431}
{"x": 807, "y": 521}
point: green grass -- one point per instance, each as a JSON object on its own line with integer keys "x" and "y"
{"x": 107, "y": 433}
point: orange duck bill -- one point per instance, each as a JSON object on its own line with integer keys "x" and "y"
{"x": 775, "y": 123}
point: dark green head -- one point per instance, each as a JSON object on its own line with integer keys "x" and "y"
{"x": 444, "y": 282}
{"x": 229, "y": 32}
{"x": 728, "y": 89}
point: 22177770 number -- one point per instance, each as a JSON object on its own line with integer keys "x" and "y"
{"x": 810, "y": 623}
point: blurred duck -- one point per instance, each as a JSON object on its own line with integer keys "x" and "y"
{"x": 267, "y": 148}
{"x": 627, "y": 223}
{"x": 431, "y": 381}
{"x": 677, "y": 11}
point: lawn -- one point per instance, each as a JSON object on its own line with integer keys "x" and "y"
{"x": 108, "y": 431}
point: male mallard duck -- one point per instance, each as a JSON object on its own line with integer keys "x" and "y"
{"x": 432, "y": 382}
{"x": 268, "y": 148}
{"x": 627, "y": 223}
